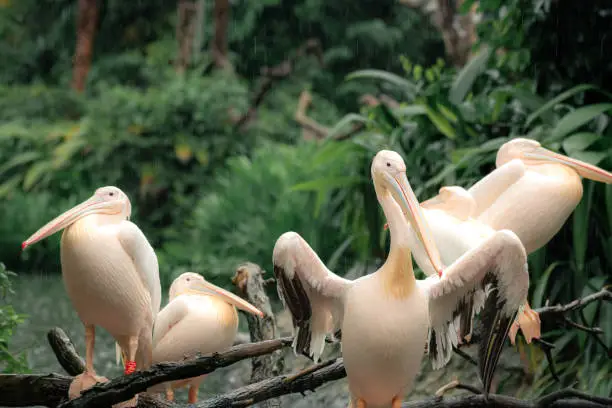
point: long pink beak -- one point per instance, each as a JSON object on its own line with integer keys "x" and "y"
{"x": 210, "y": 289}
{"x": 403, "y": 194}
{"x": 92, "y": 205}
{"x": 585, "y": 170}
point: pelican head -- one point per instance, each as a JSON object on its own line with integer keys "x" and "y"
{"x": 532, "y": 153}
{"x": 107, "y": 200}
{"x": 389, "y": 175}
{"x": 191, "y": 283}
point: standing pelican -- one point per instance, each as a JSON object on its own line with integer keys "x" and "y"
{"x": 386, "y": 317}
{"x": 199, "y": 318}
{"x": 111, "y": 275}
{"x": 532, "y": 192}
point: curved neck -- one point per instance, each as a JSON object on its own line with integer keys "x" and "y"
{"x": 398, "y": 266}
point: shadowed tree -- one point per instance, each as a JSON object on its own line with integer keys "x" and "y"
{"x": 87, "y": 19}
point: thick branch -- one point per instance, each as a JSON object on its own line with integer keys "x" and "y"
{"x": 125, "y": 387}
{"x": 65, "y": 352}
{"x": 18, "y": 390}
{"x": 307, "y": 380}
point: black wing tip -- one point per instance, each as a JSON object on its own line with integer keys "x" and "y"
{"x": 494, "y": 327}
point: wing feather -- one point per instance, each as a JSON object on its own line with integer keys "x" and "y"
{"x": 142, "y": 254}
{"x": 491, "y": 277}
{"x": 311, "y": 292}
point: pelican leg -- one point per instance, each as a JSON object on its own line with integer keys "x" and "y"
{"x": 396, "y": 402}
{"x": 529, "y": 322}
{"x": 88, "y": 378}
{"x": 169, "y": 392}
{"x": 193, "y": 394}
{"x": 130, "y": 363}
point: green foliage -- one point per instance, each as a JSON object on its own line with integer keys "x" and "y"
{"x": 251, "y": 203}
{"x": 9, "y": 320}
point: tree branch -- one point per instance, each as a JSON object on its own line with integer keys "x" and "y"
{"x": 125, "y": 387}
{"x": 65, "y": 352}
{"x": 278, "y": 72}
{"x": 604, "y": 295}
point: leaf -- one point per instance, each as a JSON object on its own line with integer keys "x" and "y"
{"x": 35, "y": 173}
{"x": 556, "y": 100}
{"x": 575, "y": 119}
{"x": 593, "y": 158}
{"x": 579, "y": 141}
{"x": 411, "y": 110}
{"x": 408, "y": 87}
{"x": 441, "y": 123}
{"x": 9, "y": 185}
{"x": 465, "y": 79}
{"x": 541, "y": 285}
{"x": 18, "y": 160}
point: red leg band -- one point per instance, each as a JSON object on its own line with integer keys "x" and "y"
{"x": 130, "y": 367}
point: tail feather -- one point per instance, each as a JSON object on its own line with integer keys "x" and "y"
{"x": 119, "y": 355}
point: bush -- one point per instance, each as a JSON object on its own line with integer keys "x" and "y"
{"x": 8, "y": 321}
{"x": 252, "y": 203}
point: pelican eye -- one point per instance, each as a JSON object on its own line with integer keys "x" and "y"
{"x": 388, "y": 164}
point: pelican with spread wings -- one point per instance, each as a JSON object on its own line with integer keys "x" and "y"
{"x": 111, "y": 274}
{"x": 387, "y": 317}
{"x": 532, "y": 192}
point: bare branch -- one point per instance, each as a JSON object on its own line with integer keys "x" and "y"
{"x": 279, "y": 72}
{"x": 311, "y": 127}
{"x": 604, "y": 295}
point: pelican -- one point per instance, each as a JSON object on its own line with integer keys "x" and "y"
{"x": 386, "y": 317}
{"x": 532, "y": 192}
{"x": 199, "y": 318}
{"x": 111, "y": 274}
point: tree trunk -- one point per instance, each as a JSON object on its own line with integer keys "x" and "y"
{"x": 219, "y": 43}
{"x": 87, "y": 19}
{"x": 185, "y": 28}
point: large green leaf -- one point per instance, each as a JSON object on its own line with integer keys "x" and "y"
{"x": 465, "y": 78}
{"x": 18, "y": 160}
{"x": 579, "y": 141}
{"x": 440, "y": 123}
{"x": 577, "y": 118}
{"x": 408, "y": 87}
{"x": 556, "y": 100}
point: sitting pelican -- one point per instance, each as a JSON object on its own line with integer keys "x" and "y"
{"x": 111, "y": 274}
{"x": 532, "y": 192}
{"x": 387, "y": 317}
{"x": 199, "y": 318}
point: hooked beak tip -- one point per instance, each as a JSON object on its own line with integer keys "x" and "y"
{"x": 24, "y": 245}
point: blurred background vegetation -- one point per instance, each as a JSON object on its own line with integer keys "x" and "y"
{"x": 229, "y": 123}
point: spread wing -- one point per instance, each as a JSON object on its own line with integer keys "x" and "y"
{"x": 142, "y": 254}
{"x": 499, "y": 265}
{"x": 311, "y": 292}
